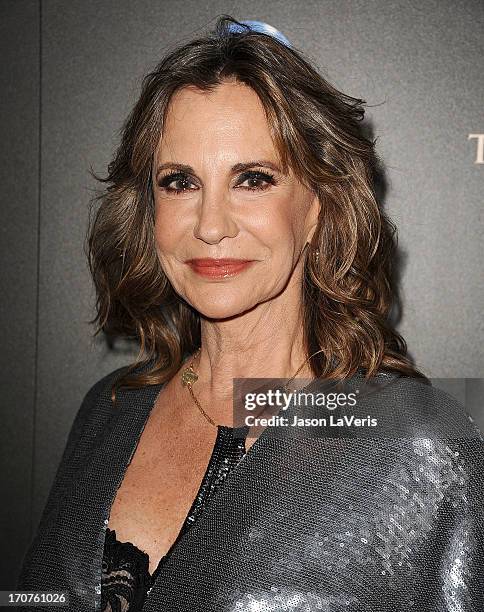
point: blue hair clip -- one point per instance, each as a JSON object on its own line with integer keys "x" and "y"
{"x": 260, "y": 26}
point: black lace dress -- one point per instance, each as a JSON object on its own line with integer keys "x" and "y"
{"x": 126, "y": 580}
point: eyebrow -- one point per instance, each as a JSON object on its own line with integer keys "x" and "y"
{"x": 240, "y": 167}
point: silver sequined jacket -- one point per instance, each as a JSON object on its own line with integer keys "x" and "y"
{"x": 339, "y": 522}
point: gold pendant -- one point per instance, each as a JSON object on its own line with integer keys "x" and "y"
{"x": 188, "y": 376}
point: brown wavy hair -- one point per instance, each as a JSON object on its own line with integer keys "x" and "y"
{"x": 348, "y": 291}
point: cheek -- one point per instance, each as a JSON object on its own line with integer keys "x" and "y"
{"x": 272, "y": 223}
{"x": 288, "y": 215}
{"x": 283, "y": 232}
{"x": 162, "y": 243}
{"x": 168, "y": 231}
{"x": 162, "y": 238}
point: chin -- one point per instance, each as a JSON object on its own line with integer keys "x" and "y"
{"x": 221, "y": 306}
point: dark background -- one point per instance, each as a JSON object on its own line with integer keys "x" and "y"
{"x": 69, "y": 74}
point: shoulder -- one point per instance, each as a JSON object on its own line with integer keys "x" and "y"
{"x": 88, "y": 423}
{"x": 97, "y": 409}
{"x": 409, "y": 407}
{"x": 94, "y": 412}
{"x": 100, "y": 390}
{"x": 433, "y": 436}
{"x": 424, "y": 446}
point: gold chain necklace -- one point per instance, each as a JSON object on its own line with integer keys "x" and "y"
{"x": 189, "y": 376}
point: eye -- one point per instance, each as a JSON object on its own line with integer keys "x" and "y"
{"x": 256, "y": 176}
{"x": 258, "y": 181}
{"x": 180, "y": 178}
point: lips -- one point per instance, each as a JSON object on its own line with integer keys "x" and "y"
{"x": 218, "y": 268}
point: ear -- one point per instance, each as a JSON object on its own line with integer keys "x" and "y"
{"x": 312, "y": 218}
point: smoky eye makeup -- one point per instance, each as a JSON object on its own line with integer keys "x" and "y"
{"x": 178, "y": 181}
{"x": 257, "y": 175}
{"x": 176, "y": 177}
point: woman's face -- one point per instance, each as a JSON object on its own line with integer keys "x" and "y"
{"x": 219, "y": 193}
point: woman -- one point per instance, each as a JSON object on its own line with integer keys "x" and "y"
{"x": 240, "y": 237}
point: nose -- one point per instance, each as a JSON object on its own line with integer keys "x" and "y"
{"x": 215, "y": 219}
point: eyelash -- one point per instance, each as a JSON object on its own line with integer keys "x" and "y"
{"x": 251, "y": 174}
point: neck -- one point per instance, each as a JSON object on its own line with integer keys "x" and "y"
{"x": 261, "y": 345}
{"x": 265, "y": 341}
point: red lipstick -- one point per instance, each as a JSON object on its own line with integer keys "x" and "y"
{"x": 218, "y": 268}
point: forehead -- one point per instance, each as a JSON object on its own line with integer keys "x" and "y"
{"x": 228, "y": 123}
